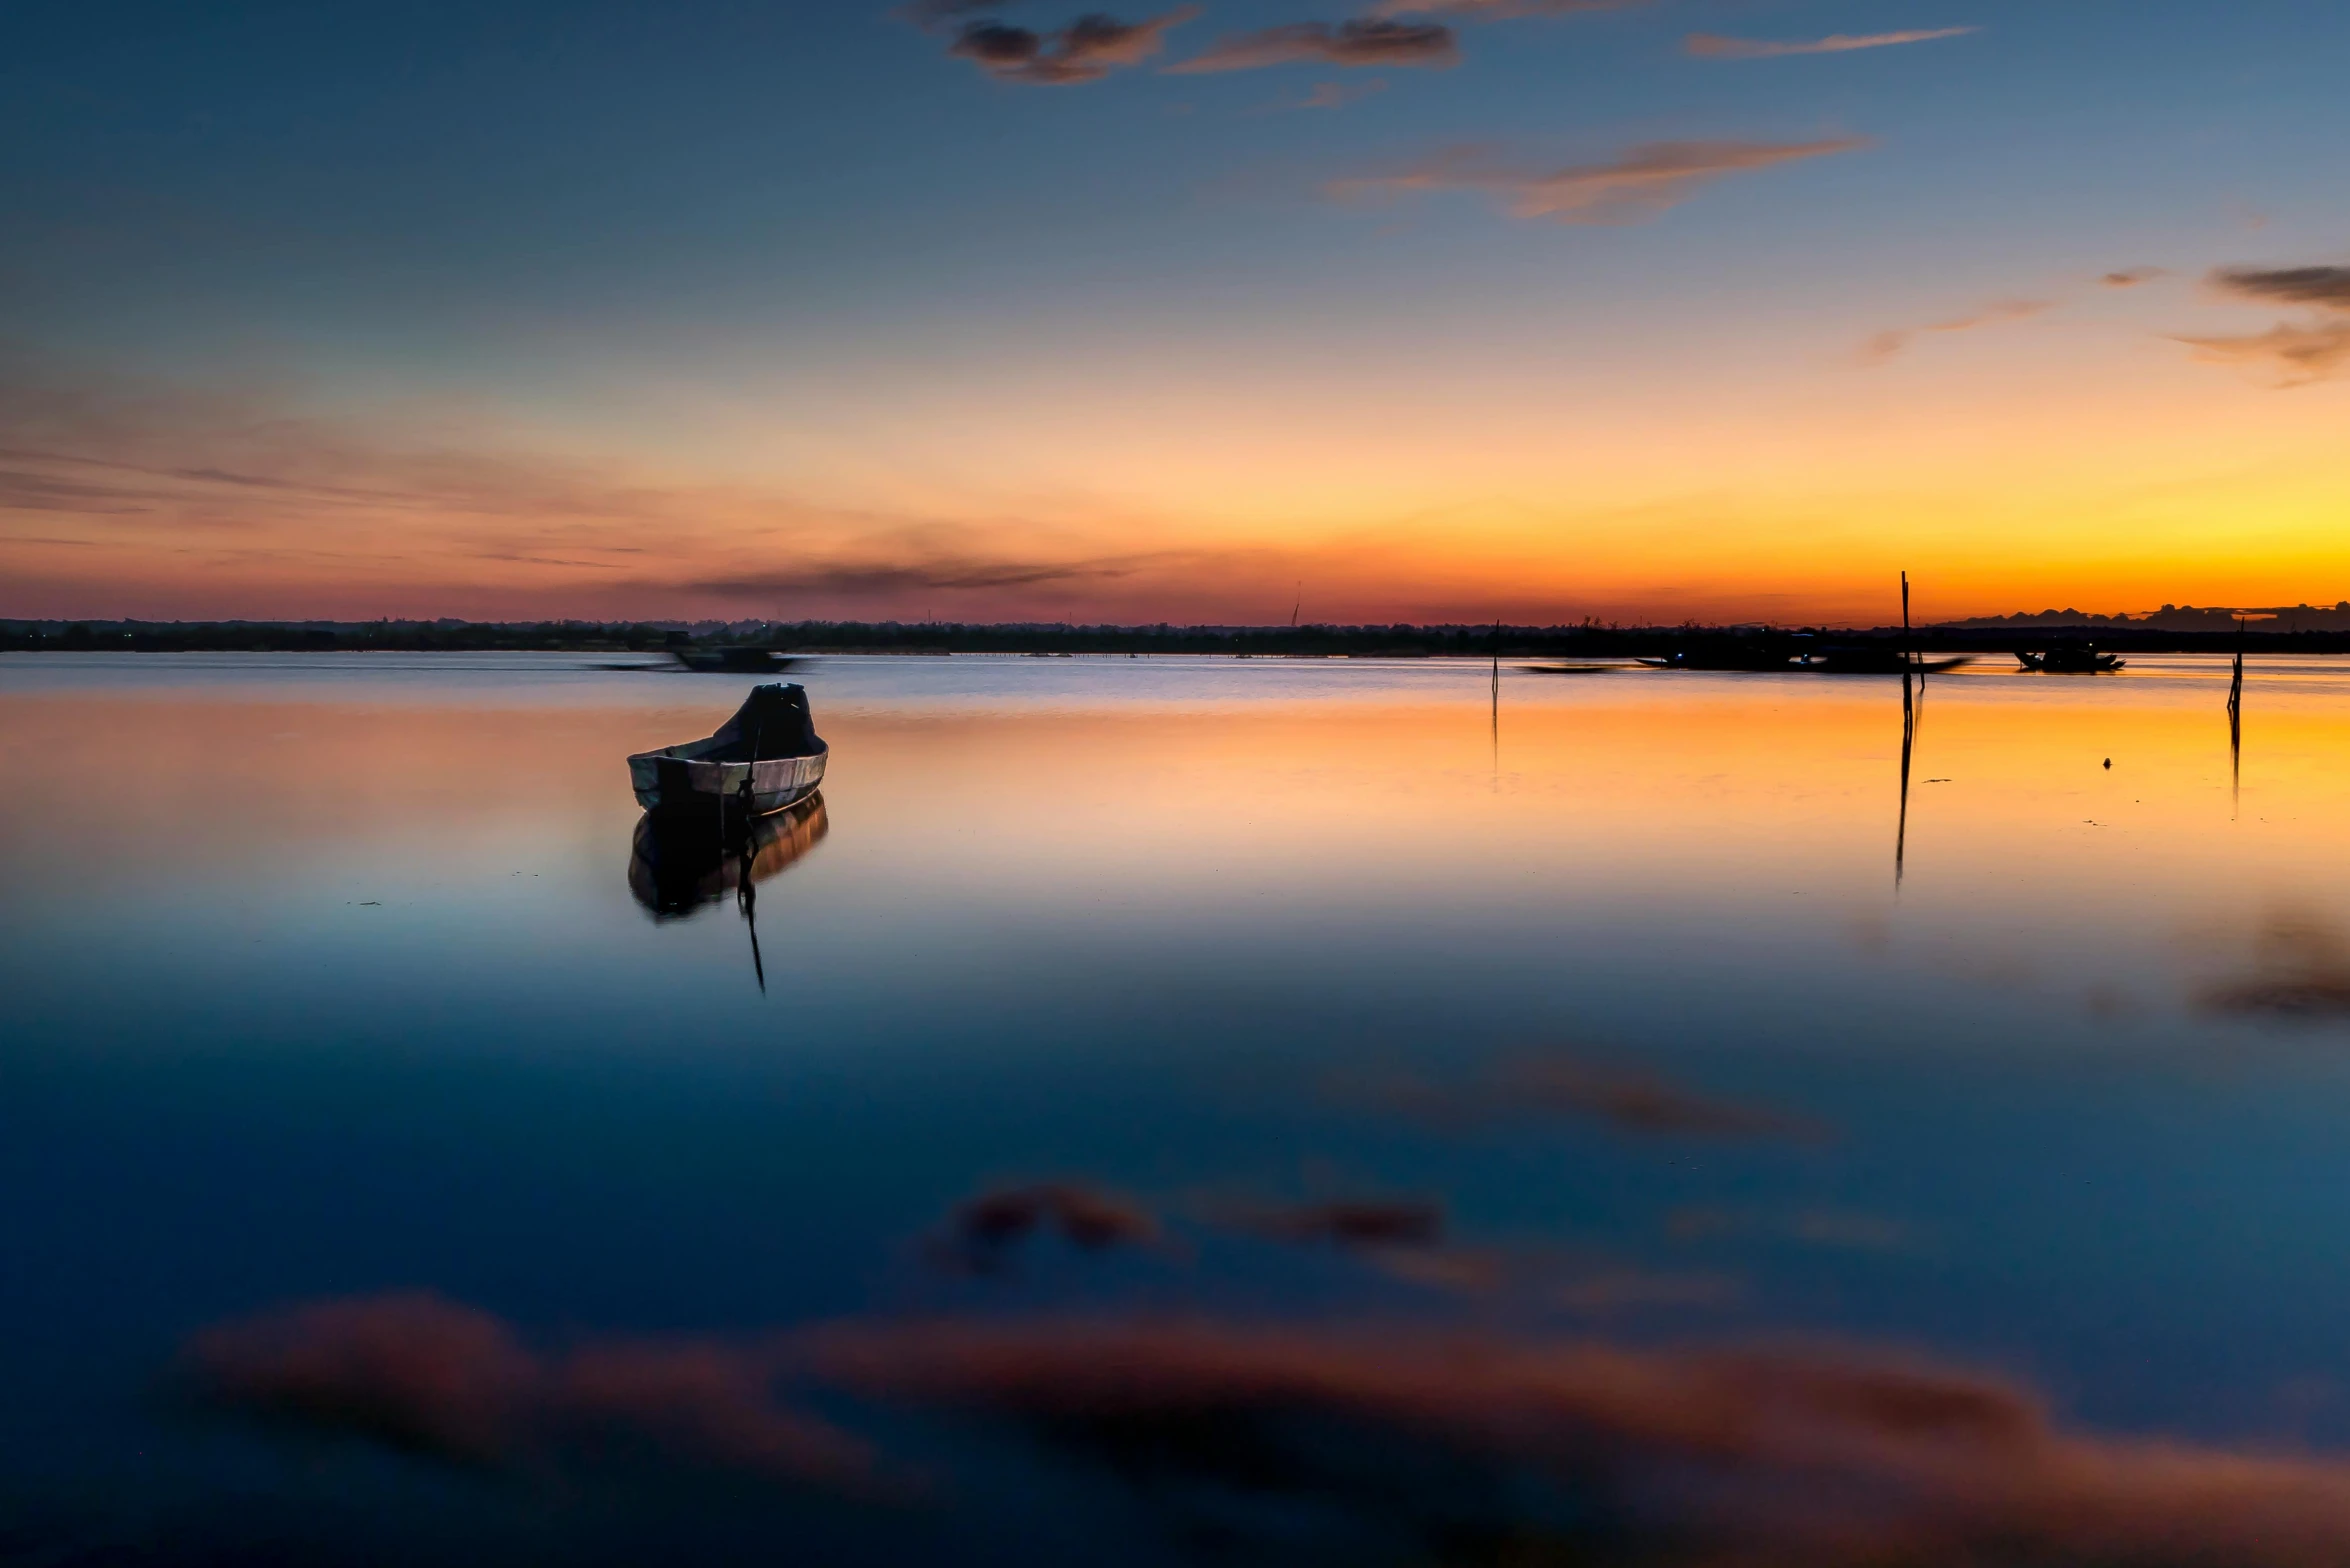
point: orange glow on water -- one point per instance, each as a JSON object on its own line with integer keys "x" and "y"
{"x": 1773, "y": 797}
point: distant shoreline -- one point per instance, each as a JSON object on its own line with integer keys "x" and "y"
{"x": 1587, "y": 640}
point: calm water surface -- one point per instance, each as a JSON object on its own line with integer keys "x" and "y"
{"x": 1420, "y": 1126}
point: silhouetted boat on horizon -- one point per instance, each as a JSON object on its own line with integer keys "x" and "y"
{"x": 1769, "y": 651}
{"x": 731, "y": 661}
{"x": 1868, "y": 658}
{"x": 763, "y": 759}
{"x": 2069, "y": 661}
{"x": 1854, "y": 658}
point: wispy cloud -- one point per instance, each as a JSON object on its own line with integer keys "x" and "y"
{"x": 1084, "y": 51}
{"x": 1643, "y": 182}
{"x": 1368, "y": 41}
{"x": 951, "y": 573}
{"x": 1885, "y": 345}
{"x": 2294, "y": 353}
{"x": 2131, "y": 277}
{"x": 229, "y": 501}
{"x": 1714, "y": 46}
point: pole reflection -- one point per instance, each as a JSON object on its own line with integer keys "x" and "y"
{"x": 676, "y": 868}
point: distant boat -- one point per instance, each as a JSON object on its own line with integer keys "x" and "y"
{"x": 1722, "y": 655}
{"x": 1820, "y": 659}
{"x": 732, "y": 661}
{"x": 2069, "y": 661}
{"x": 764, "y": 758}
{"x": 1874, "y": 659}
{"x": 1878, "y": 657}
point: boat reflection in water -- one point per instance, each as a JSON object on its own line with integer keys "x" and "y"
{"x": 676, "y": 866}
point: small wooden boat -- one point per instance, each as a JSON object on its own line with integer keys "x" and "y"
{"x": 2069, "y": 661}
{"x": 763, "y": 759}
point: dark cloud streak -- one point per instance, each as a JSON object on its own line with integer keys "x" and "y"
{"x": 1368, "y": 41}
{"x": 2298, "y": 353}
{"x": 1084, "y": 51}
{"x": 2326, "y": 287}
{"x": 879, "y": 577}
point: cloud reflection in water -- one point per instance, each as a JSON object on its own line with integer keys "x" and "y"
{"x": 1404, "y": 1439}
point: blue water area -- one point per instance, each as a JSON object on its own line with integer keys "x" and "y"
{"x": 1179, "y": 1109}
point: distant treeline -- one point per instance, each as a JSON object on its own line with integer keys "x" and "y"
{"x": 2177, "y": 618}
{"x": 346, "y": 636}
{"x": 1589, "y": 639}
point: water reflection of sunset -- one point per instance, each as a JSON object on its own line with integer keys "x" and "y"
{"x": 1336, "y": 1103}
{"x": 1740, "y": 801}
{"x": 1314, "y": 1005}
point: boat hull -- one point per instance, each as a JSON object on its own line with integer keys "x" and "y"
{"x": 732, "y": 661}
{"x": 673, "y": 784}
{"x": 2067, "y": 661}
{"x": 1868, "y": 662}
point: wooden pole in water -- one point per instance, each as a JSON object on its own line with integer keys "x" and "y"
{"x": 2236, "y": 721}
{"x": 1909, "y": 732}
{"x": 1909, "y": 736}
{"x": 2236, "y": 682}
{"x": 1909, "y": 651}
{"x": 1497, "y": 701}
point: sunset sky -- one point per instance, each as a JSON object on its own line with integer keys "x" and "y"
{"x": 1426, "y": 310}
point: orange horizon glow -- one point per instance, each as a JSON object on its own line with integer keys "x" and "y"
{"x": 2082, "y": 474}
{"x": 1585, "y": 320}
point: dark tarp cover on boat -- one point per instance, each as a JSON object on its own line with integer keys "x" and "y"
{"x": 774, "y": 722}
